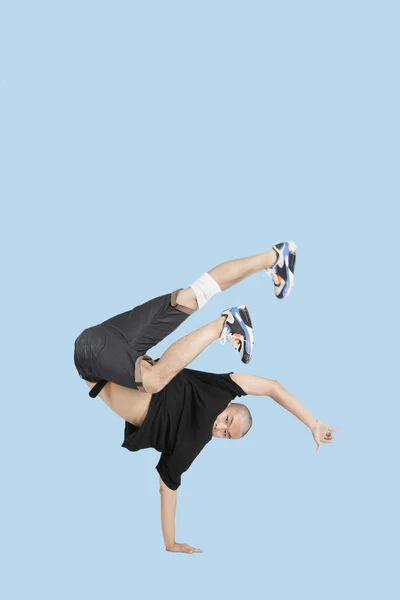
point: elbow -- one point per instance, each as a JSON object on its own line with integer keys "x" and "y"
{"x": 274, "y": 387}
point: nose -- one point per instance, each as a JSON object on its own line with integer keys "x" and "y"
{"x": 220, "y": 428}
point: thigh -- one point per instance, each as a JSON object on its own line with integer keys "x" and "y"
{"x": 132, "y": 322}
{"x": 116, "y": 361}
{"x": 154, "y": 321}
{"x": 128, "y": 337}
{"x": 155, "y": 332}
{"x": 148, "y": 324}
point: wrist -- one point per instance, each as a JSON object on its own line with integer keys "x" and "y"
{"x": 311, "y": 422}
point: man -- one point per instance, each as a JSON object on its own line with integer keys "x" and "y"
{"x": 166, "y": 405}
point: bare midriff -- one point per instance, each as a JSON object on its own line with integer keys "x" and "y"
{"x": 130, "y": 405}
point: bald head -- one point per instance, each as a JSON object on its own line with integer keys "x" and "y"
{"x": 233, "y": 423}
{"x": 245, "y": 418}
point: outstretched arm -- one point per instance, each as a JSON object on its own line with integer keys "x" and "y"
{"x": 168, "y": 511}
{"x": 260, "y": 386}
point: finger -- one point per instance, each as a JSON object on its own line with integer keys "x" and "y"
{"x": 197, "y": 550}
{"x": 327, "y": 441}
{"x": 332, "y": 429}
{"x": 326, "y": 434}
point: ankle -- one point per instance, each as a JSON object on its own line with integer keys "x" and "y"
{"x": 272, "y": 257}
{"x": 219, "y": 325}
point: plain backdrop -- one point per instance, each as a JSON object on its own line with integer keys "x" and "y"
{"x": 143, "y": 143}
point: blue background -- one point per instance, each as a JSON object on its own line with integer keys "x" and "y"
{"x": 143, "y": 143}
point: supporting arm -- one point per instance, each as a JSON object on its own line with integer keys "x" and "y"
{"x": 168, "y": 511}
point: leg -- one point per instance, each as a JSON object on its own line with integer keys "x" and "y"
{"x": 179, "y": 355}
{"x": 229, "y": 273}
{"x": 111, "y": 350}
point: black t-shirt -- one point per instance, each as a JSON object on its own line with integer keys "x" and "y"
{"x": 180, "y": 419}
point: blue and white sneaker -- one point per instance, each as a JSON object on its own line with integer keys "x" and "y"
{"x": 282, "y": 273}
{"x": 238, "y": 330}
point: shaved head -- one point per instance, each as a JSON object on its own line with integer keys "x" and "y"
{"x": 233, "y": 423}
{"x": 245, "y": 417}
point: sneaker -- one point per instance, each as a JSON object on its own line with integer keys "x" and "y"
{"x": 238, "y": 330}
{"x": 282, "y": 273}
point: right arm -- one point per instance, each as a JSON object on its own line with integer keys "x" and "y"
{"x": 168, "y": 511}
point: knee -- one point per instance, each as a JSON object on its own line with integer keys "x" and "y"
{"x": 152, "y": 382}
{"x": 186, "y": 298}
{"x": 204, "y": 288}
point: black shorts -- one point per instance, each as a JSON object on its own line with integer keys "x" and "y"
{"x": 114, "y": 349}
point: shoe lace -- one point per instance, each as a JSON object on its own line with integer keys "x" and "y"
{"x": 228, "y": 336}
{"x": 271, "y": 273}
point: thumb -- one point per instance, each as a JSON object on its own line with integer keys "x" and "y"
{"x": 317, "y": 434}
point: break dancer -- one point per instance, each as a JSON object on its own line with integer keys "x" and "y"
{"x": 166, "y": 405}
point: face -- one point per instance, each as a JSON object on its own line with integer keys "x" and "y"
{"x": 228, "y": 424}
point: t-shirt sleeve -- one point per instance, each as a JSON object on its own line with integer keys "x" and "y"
{"x": 235, "y": 387}
{"x": 170, "y": 469}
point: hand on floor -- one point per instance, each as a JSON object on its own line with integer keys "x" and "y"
{"x": 176, "y": 547}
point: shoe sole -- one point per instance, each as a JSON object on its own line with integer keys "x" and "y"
{"x": 292, "y": 261}
{"x": 249, "y": 325}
